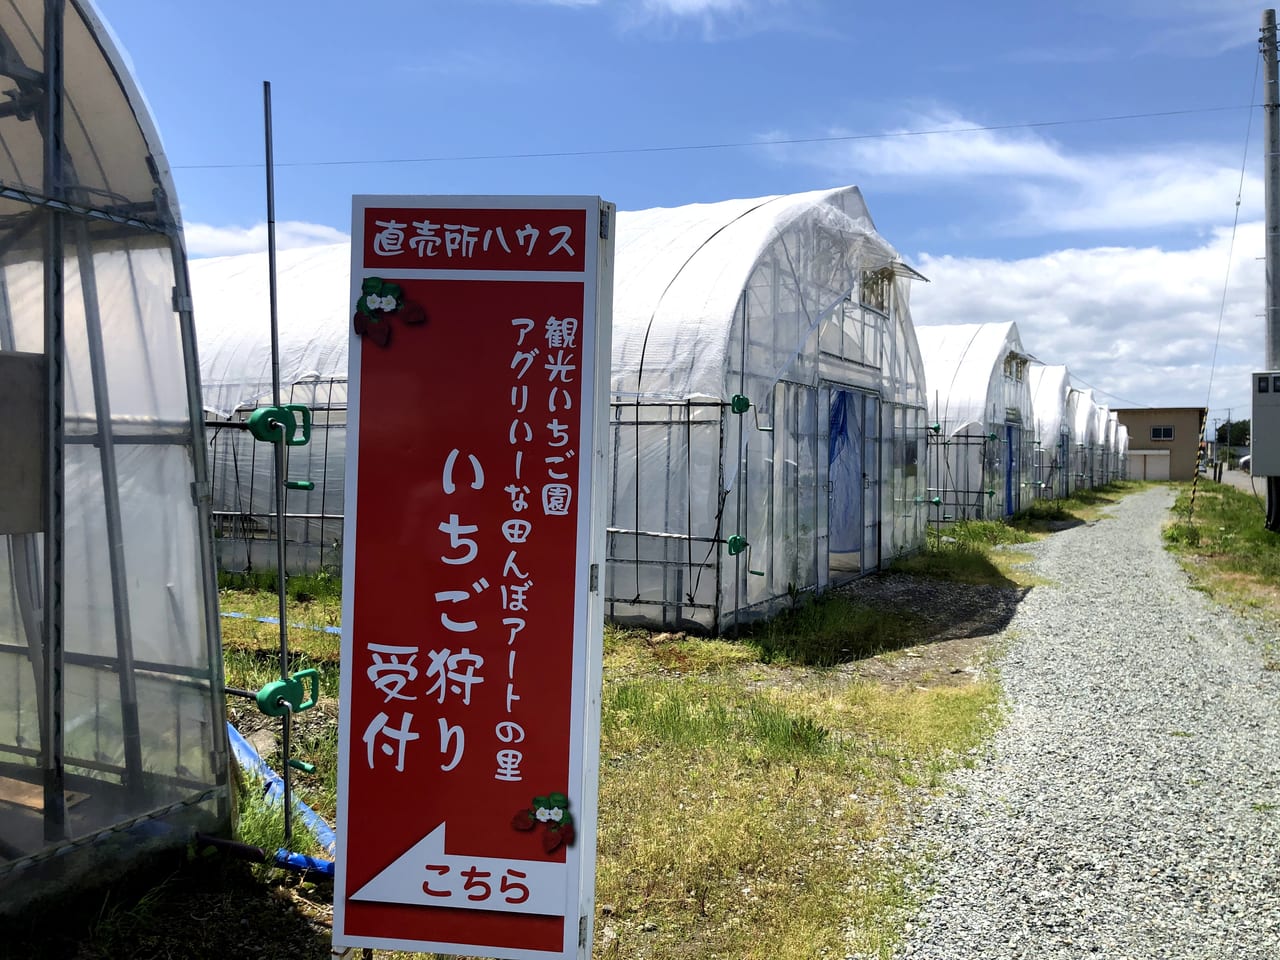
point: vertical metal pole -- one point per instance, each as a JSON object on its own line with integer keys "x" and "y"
{"x": 200, "y": 469}
{"x": 279, "y": 445}
{"x": 111, "y": 508}
{"x": 52, "y": 639}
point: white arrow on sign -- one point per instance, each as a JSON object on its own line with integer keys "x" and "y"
{"x": 425, "y": 875}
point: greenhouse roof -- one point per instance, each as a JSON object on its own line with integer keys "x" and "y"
{"x": 232, "y": 310}
{"x": 1050, "y": 389}
{"x": 961, "y": 363}
{"x": 1084, "y": 426}
{"x": 680, "y": 275}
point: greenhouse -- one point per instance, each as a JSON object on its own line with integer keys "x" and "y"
{"x": 112, "y": 731}
{"x": 982, "y": 444}
{"x": 768, "y": 407}
{"x": 1084, "y": 440}
{"x": 1122, "y": 452}
{"x": 1102, "y": 450}
{"x": 232, "y": 296}
{"x": 763, "y": 349}
{"x": 1050, "y": 387}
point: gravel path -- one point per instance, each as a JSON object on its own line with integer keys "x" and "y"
{"x": 1130, "y": 807}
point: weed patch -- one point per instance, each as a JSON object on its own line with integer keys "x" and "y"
{"x": 826, "y": 630}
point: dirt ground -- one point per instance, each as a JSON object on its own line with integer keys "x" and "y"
{"x": 960, "y": 623}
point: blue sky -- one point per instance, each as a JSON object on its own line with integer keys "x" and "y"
{"x": 1106, "y": 240}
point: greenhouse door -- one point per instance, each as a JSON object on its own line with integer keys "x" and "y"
{"x": 871, "y": 484}
{"x": 1012, "y": 469}
{"x": 853, "y": 501}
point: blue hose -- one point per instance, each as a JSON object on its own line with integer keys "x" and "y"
{"x": 276, "y": 621}
{"x": 302, "y": 863}
{"x": 249, "y": 760}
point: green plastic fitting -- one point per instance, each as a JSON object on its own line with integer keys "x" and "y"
{"x": 287, "y": 696}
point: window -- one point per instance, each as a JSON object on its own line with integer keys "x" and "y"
{"x": 875, "y": 289}
{"x": 1162, "y": 433}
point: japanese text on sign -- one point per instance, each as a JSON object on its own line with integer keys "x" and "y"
{"x": 475, "y": 239}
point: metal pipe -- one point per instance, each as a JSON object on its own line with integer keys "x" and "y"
{"x": 202, "y": 496}
{"x": 130, "y": 728}
{"x": 52, "y": 638}
{"x": 279, "y": 446}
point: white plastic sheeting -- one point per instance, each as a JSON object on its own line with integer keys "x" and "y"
{"x": 1101, "y": 457}
{"x": 117, "y": 717}
{"x": 797, "y": 307}
{"x": 794, "y": 303}
{"x": 233, "y": 309}
{"x": 1050, "y": 386}
{"x": 982, "y": 458}
{"x": 1084, "y": 440}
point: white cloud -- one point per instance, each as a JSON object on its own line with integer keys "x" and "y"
{"x": 693, "y": 8}
{"x": 1138, "y": 323}
{"x": 206, "y": 240}
{"x": 1052, "y": 188}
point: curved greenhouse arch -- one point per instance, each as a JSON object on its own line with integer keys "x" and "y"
{"x": 108, "y": 629}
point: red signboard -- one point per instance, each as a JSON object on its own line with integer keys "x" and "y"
{"x": 472, "y": 546}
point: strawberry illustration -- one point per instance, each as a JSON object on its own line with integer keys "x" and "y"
{"x": 552, "y": 839}
{"x": 552, "y": 811}
{"x": 380, "y": 332}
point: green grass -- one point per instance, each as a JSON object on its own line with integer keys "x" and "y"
{"x": 977, "y": 551}
{"x": 741, "y": 820}
{"x": 1225, "y": 546}
{"x": 826, "y": 630}
{"x": 959, "y": 562}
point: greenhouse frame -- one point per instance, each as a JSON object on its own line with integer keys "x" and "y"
{"x": 763, "y": 349}
{"x": 982, "y": 430}
{"x": 113, "y": 737}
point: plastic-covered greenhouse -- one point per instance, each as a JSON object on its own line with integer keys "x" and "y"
{"x": 112, "y": 734}
{"x": 1084, "y": 440}
{"x": 768, "y": 406}
{"x": 982, "y": 453}
{"x": 1050, "y": 386}
{"x": 231, "y": 298}
{"x": 763, "y": 349}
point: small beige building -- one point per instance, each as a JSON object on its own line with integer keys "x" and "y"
{"x": 1163, "y": 441}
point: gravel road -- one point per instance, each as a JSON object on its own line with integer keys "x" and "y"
{"x": 1130, "y": 806}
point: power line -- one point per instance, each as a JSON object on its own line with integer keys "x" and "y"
{"x": 1105, "y": 393}
{"x": 619, "y": 151}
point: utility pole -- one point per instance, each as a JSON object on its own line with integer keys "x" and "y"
{"x": 1271, "y": 180}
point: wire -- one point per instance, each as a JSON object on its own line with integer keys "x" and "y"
{"x": 1226, "y": 282}
{"x": 1133, "y": 403}
{"x": 731, "y": 145}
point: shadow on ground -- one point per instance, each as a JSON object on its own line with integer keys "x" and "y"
{"x": 946, "y": 610}
{"x": 207, "y": 907}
